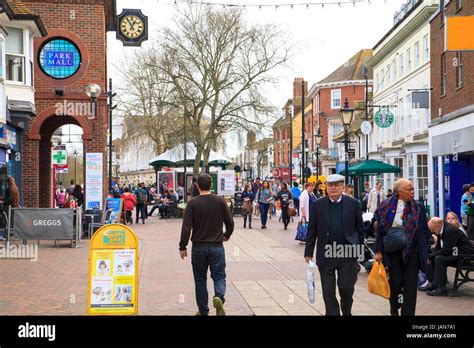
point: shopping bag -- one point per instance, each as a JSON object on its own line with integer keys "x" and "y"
{"x": 302, "y": 231}
{"x": 310, "y": 278}
{"x": 377, "y": 281}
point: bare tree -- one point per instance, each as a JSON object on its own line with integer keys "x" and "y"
{"x": 144, "y": 99}
{"x": 217, "y": 67}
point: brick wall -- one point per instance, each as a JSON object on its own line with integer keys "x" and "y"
{"x": 83, "y": 22}
{"x": 353, "y": 94}
{"x": 455, "y": 98}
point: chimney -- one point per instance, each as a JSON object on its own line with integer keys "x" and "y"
{"x": 297, "y": 92}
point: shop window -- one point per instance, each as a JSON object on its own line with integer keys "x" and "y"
{"x": 422, "y": 176}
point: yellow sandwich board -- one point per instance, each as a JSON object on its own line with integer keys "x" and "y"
{"x": 459, "y": 34}
{"x": 113, "y": 272}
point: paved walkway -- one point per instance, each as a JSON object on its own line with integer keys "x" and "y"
{"x": 266, "y": 275}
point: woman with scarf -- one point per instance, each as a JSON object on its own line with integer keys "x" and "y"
{"x": 264, "y": 197}
{"x": 403, "y": 242}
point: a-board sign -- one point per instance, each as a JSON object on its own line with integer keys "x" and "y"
{"x": 113, "y": 272}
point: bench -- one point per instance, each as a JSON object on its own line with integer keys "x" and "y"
{"x": 463, "y": 272}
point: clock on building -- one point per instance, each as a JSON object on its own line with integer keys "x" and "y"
{"x": 132, "y": 27}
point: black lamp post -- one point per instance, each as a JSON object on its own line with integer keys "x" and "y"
{"x": 346, "y": 117}
{"x": 318, "y": 138}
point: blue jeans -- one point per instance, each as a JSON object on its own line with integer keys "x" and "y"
{"x": 203, "y": 257}
{"x": 141, "y": 210}
{"x": 264, "y": 212}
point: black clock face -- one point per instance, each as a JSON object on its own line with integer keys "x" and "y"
{"x": 131, "y": 26}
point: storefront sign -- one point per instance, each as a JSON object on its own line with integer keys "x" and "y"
{"x": 384, "y": 118}
{"x": 113, "y": 272}
{"x": 226, "y": 182}
{"x": 59, "y": 155}
{"x": 8, "y": 136}
{"x": 43, "y": 223}
{"x": 94, "y": 180}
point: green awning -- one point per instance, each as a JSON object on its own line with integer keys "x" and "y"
{"x": 372, "y": 167}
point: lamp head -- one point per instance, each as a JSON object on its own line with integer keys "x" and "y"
{"x": 93, "y": 90}
{"x": 346, "y": 114}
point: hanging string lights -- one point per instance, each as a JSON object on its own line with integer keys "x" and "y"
{"x": 276, "y": 5}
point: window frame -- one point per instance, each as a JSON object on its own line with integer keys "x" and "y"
{"x": 333, "y": 106}
{"x": 459, "y": 80}
{"x": 426, "y": 48}
{"x": 22, "y": 57}
{"x": 417, "y": 54}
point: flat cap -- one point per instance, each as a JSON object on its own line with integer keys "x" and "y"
{"x": 333, "y": 178}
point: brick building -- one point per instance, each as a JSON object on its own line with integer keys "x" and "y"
{"x": 77, "y": 30}
{"x": 282, "y": 131}
{"x": 328, "y": 96}
{"x": 451, "y": 150}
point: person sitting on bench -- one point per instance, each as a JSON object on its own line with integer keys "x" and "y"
{"x": 451, "y": 242}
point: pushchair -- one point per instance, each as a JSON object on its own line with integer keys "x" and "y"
{"x": 369, "y": 242}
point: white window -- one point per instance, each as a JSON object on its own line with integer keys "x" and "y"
{"x": 401, "y": 123}
{"x": 15, "y": 55}
{"x": 382, "y": 79}
{"x": 32, "y": 69}
{"x": 401, "y": 62}
{"x": 408, "y": 59}
{"x": 335, "y": 99}
{"x": 335, "y": 129}
{"x": 408, "y": 114}
{"x": 2, "y": 58}
{"x": 426, "y": 48}
{"x": 388, "y": 74}
{"x": 417, "y": 54}
{"x": 377, "y": 82}
{"x": 394, "y": 68}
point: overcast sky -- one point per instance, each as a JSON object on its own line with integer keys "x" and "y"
{"x": 327, "y": 36}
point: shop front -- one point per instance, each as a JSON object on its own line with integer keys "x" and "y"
{"x": 451, "y": 163}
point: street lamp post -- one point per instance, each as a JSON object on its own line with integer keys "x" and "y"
{"x": 346, "y": 117}
{"x": 318, "y": 139}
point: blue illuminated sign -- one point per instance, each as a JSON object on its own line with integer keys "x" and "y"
{"x": 59, "y": 58}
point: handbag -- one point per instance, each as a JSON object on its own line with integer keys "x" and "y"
{"x": 291, "y": 210}
{"x": 396, "y": 240}
{"x": 302, "y": 231}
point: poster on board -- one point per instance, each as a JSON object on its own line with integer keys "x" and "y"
{"x": 226, "y": 182}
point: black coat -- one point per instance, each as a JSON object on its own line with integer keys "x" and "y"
{"x": 319, "y": 223}
{"x": 452, "y": 238}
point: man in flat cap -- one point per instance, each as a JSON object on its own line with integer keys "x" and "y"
{"x": 336, "y": 222}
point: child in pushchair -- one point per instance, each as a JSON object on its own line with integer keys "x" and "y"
{"x": 370, "y": 226}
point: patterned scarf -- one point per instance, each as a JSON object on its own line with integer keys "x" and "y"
{"x": 385, "y": 215}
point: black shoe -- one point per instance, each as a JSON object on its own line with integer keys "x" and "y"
{"x": 250, "y": 227}
{"x": 143, "y": 221}
{"x": 263, "y": 227}
{"x": 286, "y": 227}
{"x": 439, "y": 291}
{"x": 245, "y": 226}
{"x": 428, "y": 287}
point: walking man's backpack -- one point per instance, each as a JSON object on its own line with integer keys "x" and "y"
{"x": 141, "y": 197}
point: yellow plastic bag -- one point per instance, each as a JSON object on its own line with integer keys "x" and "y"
{"x": 378, "y": 283}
